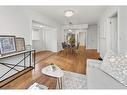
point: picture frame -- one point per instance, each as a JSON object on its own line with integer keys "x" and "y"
{"x": 7, "y": 44}
{"x": 20, "y": 44}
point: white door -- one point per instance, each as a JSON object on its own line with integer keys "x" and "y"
{"x": 113, "y": 34}
{"x": 37, "y": 39}
{"x": 82, "y": 39}
{"x": 92, "y": 38}
{"x": 51, "y": 39}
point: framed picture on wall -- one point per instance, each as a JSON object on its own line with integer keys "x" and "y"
{"x": 20, "y": 44}
{"x": 7, "y": 44}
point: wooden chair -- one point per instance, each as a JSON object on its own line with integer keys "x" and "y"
{"x": 64, "y": 46}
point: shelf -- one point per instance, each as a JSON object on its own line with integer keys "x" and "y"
{"x": 15, "y": 53}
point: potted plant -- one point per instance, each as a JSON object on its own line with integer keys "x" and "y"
{"x": 53, "y": 67}
{"x": 72, "y": 40}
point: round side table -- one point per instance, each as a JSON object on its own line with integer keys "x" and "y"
{"x": 57, "y": 72}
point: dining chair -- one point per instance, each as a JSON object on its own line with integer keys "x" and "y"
{"x": 64, "y": 46}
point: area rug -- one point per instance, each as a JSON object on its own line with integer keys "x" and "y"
{"x": 72, "y": 80}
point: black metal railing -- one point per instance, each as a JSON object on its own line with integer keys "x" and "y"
{"x": 27, "y": 54}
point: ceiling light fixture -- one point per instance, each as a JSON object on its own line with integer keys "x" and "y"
{"x": 41, "y": 26}
{"x": 70, "y": 30}
{"x": 69, "y": 13}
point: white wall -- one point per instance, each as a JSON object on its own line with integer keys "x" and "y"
{"x": 18, "y": 21}
{"x": 13, "y": 21}
{"x": 92, "y": 37}
{"x": 122, "y": 21}
{"x": 59, "y": 37}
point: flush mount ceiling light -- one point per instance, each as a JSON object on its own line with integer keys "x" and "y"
{"x": 41, "y": 26}
{"x": 69, "y": 30}
{"x": 68, "y": 13}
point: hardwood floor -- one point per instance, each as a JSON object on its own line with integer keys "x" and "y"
{"x": 43, "y": 55}
{"x": 66, "y": 61}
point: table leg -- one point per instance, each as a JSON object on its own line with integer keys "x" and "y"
{"x": 59, "y": 82}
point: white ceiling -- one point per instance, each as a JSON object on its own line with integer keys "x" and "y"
{"x": 82, "y": 14}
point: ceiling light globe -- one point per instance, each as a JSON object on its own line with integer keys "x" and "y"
{"x": 70, "y": 30}
{"x": 69, "y": 13}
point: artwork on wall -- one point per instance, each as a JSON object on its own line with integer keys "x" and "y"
{"x": 20, "y": 44}
{"x": 7, "y": 44}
